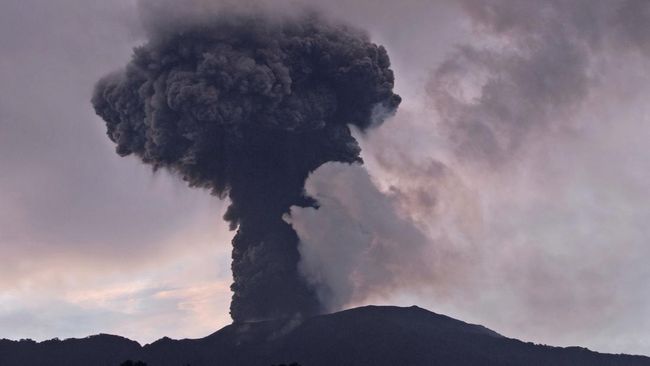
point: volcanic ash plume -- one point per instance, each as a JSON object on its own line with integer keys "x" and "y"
{"x": 248, "y": 107}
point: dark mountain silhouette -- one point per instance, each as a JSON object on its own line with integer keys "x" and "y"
{"x": 367, "y": 336}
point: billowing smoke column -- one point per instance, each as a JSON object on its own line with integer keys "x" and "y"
{"x": 248, "y": 107}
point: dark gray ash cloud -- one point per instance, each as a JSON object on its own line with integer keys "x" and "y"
{"x": 248, "y": 106}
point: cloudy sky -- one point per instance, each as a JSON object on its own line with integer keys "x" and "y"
{"x": 511, "y": 189}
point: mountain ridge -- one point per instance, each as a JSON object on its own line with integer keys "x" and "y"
{"x": 369, "y": 335}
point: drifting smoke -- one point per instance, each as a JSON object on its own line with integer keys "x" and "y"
{"x": 374, "y": 248}
{"x": 247, "y": 107}
{"x": 532, "y": 75}
{"x": 465, "y": 203}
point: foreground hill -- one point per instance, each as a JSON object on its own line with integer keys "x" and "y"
{"x": 367, "y": 336}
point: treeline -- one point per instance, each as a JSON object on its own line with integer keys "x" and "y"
{"x": 140, "y": 363}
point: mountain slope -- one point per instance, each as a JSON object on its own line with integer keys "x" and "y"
{"x": 372, "y": 335}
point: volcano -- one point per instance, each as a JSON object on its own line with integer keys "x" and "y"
{"x": 365, "y": 336}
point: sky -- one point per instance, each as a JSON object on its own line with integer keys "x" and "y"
{"x": 509, "y": 190}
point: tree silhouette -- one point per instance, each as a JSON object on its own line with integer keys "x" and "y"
{"x": 131, "y": 363}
